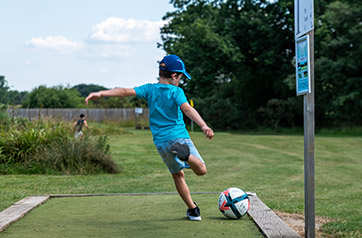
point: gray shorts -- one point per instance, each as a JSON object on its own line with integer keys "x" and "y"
{"x": 173, "y": 163}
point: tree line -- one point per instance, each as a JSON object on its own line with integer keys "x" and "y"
{"x": 62, "y": 97}
{"x": 240, "y": 54}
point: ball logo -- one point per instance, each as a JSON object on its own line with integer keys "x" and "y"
{"x": 223, "y": 207}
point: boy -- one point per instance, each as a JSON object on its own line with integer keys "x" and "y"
{"x": 80, "y": 124}
{"x": 165, "y": 99}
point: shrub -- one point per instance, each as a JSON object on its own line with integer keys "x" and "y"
{"x": 47, "y": 146}
{"x": 86, "y": 156}
{"x": 21, "y": 138}
{"x": 3, "y": 115}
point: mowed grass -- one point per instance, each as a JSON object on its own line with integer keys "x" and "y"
{"x": 128, "y": 216}
{"x": 271, "y": 166}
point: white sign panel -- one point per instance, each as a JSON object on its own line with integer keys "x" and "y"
{"x": 138, "y": 110}
{"x": 303, "y": 17}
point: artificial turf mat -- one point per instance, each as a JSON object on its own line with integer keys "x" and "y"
{"x": 129, "y": 216}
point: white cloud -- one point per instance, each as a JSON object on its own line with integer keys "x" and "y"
{"x": 119, "y": 30}
{"x": 58, "y": 43}
{"x": 110, "y": 39}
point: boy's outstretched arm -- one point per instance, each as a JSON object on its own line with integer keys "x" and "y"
{"x": 116, "y": 92}
{"x": 195, "y": 116}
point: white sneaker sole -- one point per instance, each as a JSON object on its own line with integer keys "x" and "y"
{"x": 194, "y": 218}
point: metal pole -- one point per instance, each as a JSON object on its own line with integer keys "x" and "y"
{"x": 309, "y": 129}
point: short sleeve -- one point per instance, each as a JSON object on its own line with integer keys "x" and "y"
{"x": 142, "y": 91}
{"x": 181, "y": 97}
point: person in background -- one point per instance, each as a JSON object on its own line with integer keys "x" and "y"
{"x": 78, "y": 126}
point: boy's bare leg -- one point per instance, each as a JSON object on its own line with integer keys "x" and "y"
{"x": 196, "y": 165}
{"x": 182, "y": 188}
{"x": 183, "y": 153}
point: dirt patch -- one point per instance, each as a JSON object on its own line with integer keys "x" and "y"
{"x": 296, "y": 222}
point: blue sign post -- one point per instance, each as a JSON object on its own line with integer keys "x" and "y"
{"x": 303, "y": 65}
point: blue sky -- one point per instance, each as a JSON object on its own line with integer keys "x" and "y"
{"x": 112, "y": 43}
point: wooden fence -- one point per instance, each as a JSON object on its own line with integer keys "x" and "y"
{"x": 94, "y": 114}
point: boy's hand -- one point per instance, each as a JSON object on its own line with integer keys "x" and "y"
{"x": 208, "y": 132}
{"x": 92, "y": 96}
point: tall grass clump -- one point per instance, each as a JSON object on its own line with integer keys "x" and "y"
{"x": 86, "y": 156}
{"x": 3, "y": 115}
{"x": 21, "y": 138}
{"x": 47, "y": 146}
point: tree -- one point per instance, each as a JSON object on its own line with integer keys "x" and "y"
{"x": 339, "y": 64}
{"x": 239, "y": 50}
{"x": 278, "y": 110}
{"x": 108, "y": 102}
{"x": 17, "y": 98}
{"x": 85, "y": 89}
{"x": 10, "y": 97}
{"x": 54, "y": 97}
{"x": 4, "y": 88}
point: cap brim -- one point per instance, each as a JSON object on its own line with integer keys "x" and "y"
{"x": 187, "y": 75}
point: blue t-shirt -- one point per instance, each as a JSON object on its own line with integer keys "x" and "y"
{"x": 164, "y": 101}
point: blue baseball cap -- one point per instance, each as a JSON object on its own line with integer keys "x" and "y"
{"x": 173, "y": 63}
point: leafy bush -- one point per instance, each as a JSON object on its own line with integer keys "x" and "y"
{"x": 21, "y": 138}
{"x": 87, "y": 156}
{"x": 48, "y": 146}
{"x": 4, "y": 117}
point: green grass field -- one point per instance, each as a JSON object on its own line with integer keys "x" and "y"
{"x": 271, "y": 166}
{"x": 128, "y": 216}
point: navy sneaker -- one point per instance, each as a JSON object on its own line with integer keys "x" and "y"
{"x": 194, "y": 214}
{"x": 182, "y": 151}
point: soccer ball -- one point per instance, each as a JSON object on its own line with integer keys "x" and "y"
{"x": 234, "y": 203}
